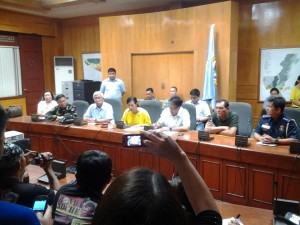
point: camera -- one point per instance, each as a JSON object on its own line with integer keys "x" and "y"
{"x": 37, "y": 159}
{"x": 132, "y": 140}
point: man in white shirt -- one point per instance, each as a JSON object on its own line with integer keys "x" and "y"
{"x": 99, "y": 111}
{"x": 202, "y": 109}
{"x": 174, "y": 118}
{"x": 112, "y": 87}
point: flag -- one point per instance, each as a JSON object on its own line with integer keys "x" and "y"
{"x": 210, "y": 78}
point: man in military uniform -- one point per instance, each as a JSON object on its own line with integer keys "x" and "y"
{"x": 276, "y": 127}
{"x": 63, "y": 109}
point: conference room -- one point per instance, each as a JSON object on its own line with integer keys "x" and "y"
{"x": 160, "y": 46}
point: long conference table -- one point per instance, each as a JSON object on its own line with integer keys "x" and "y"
{"x": 251, "y": 176}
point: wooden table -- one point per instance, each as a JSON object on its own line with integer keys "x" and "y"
{"x": 243, "y": 176}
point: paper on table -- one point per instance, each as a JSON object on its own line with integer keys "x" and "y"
{"x": 260, "y": 143}
{"x": 232, "y": 221}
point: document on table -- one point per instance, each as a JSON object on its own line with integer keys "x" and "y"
{"x": 260, "y": 143}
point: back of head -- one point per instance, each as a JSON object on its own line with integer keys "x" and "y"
{"x": 12, "y": 156}
{"x": 93, "y": 170}
{"x": 3, "y": 119}
{"x": 139, "y": 197}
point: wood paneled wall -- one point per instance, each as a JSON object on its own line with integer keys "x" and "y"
{"x": 265, "y": 25}
{"x": 172, "y": 32}
{"x": 15, "y": 101}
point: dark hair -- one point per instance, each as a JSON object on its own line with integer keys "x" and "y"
{"x": 175, "y": 100}
{"x": 274, "y": 89}
{"x": 149, "y": 89}
{"x": 3, "y": 119}
{"x": 174, "y": 88}
{"x": 131, "y": 99}
{"x": 50, "y": 94}
{"x": 139, "y": 196}
{"x": 93, "y": 170}
{"x": 111, "y": 70}
{"x": 297, "y": 80}
{"x": 195, "y": 92}
{"x": 278, "y": 102}
{"x": 59, "y": 96}
{"x": 226, "y": 103}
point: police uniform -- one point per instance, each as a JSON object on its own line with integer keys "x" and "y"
{"x": 283, "y": 127}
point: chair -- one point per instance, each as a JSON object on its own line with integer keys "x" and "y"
{"x": 244, "y": 111}
{"x": 153, "y": 107}
{"x": 81, "y": 107}
{"x": 117, "y": 107}
{"x": 192, "y": 111}
{"x": 293, "y": 113}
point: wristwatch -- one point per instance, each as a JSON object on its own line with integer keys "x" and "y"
{"x": 276, "y": 141}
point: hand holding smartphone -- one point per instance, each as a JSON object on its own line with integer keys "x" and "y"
{"x": 40, "y": 204}
{"x": 132, "y": 140}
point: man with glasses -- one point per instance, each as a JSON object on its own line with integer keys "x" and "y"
{"x": 276, "y": 127}
{"x": 112, "y": 87}
{"x": 174, "y": 118}
{"x": 223, "y": 121}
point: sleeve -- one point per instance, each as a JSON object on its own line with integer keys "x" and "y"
{"x": 88, "y": 114}
{"x": 102, "y": 88}
{"x": 234, "y": 120}
{"x": 109, "y": 113}
{"x": 73, "y": 111}
{"x": 186, "y": 120}
{"x": 122, "y": 86}
{"x": 293, "y": 94}
{"x": 208, "y": 217}
{"x": 292, "y": 131}
{"x": 161, "y": 119}
{"x": 147, "y": 119}
{"x": 52, "y": 111}
{"x": 39, "y": 108}
{"x": 206, "y": 110}
{"x": 258, "y": 128}
{"x": 124, "y": 117}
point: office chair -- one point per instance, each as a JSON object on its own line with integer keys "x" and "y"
{"x": 293, "y": 113}
{"x": 192, "y": 111}
{"x": 153, "y": 107}
{"x": 81, "y": 107}
{"x": 244, "y": 111}
{"x": 117, "y": 107}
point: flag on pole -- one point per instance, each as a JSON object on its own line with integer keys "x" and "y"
{"x": 210, "y": 79}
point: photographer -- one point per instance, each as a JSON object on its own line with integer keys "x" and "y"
{"x": 12, "y": 169}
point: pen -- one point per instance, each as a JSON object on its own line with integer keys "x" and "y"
{"x": 237, "y": 219}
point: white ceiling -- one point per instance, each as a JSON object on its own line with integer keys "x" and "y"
{"x": 85, "y": 8}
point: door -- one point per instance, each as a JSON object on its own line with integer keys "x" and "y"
{"x": 32, "y": 70}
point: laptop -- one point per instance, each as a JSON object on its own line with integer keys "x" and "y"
{"x": 59, "y": 169}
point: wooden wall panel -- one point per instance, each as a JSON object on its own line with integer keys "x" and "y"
{"x": 80, "y": 35}
{"x": 15, "y": 101}
{"x": 184, "y": 30}
{"x": 265, "y": 25}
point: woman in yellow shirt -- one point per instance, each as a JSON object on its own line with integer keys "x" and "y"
{"x": 135, "y": 115}
{"x": 295, "y": 94}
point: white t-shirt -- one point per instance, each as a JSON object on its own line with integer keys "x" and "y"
{"x": 168, "y": 120}
{"x": 43, "y": 107}
{"x": 202, "y": 108}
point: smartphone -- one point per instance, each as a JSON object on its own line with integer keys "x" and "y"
{"x": 40, "y": 204}
{"x": 132, "y": 140}
{"x": 292, "y": 218}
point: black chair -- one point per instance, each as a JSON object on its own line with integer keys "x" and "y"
{"x": 244, "y": 111}
{"x": 192, "y": 111}
{"x": 117, "y": 107}
{"x": 81, "y": 107}
{"x": 293, "y": 113}
{"x": 153, "y": 107}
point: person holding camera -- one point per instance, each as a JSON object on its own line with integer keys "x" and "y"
{"x": 12, "y": 169}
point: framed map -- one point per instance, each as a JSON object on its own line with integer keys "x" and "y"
{"x": 279, "y": 67}
{"x": 91, "y": 63}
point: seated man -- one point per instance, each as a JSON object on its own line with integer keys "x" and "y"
{"x": 223, "y": 121}
{"x": 99, "y": 111}
{"x": 174, "y": 118}
{"x": 12, "y": 169}
{"x": 76, "y": 202}
{"x": 276, "y": 127}
{"x": 202, "y": 109}
{"x": 149, "y": 94}
{"x": 62, "y": 109}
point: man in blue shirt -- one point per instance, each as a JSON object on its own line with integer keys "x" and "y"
{"x": 276, "y": 127}
{"x": 112, "y": 87}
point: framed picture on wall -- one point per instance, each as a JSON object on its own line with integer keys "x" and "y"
{"x": 279, "y": 67}
{"x": 91, "y": 63}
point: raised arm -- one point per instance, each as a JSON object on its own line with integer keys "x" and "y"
{"x": 198, "y": 193}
